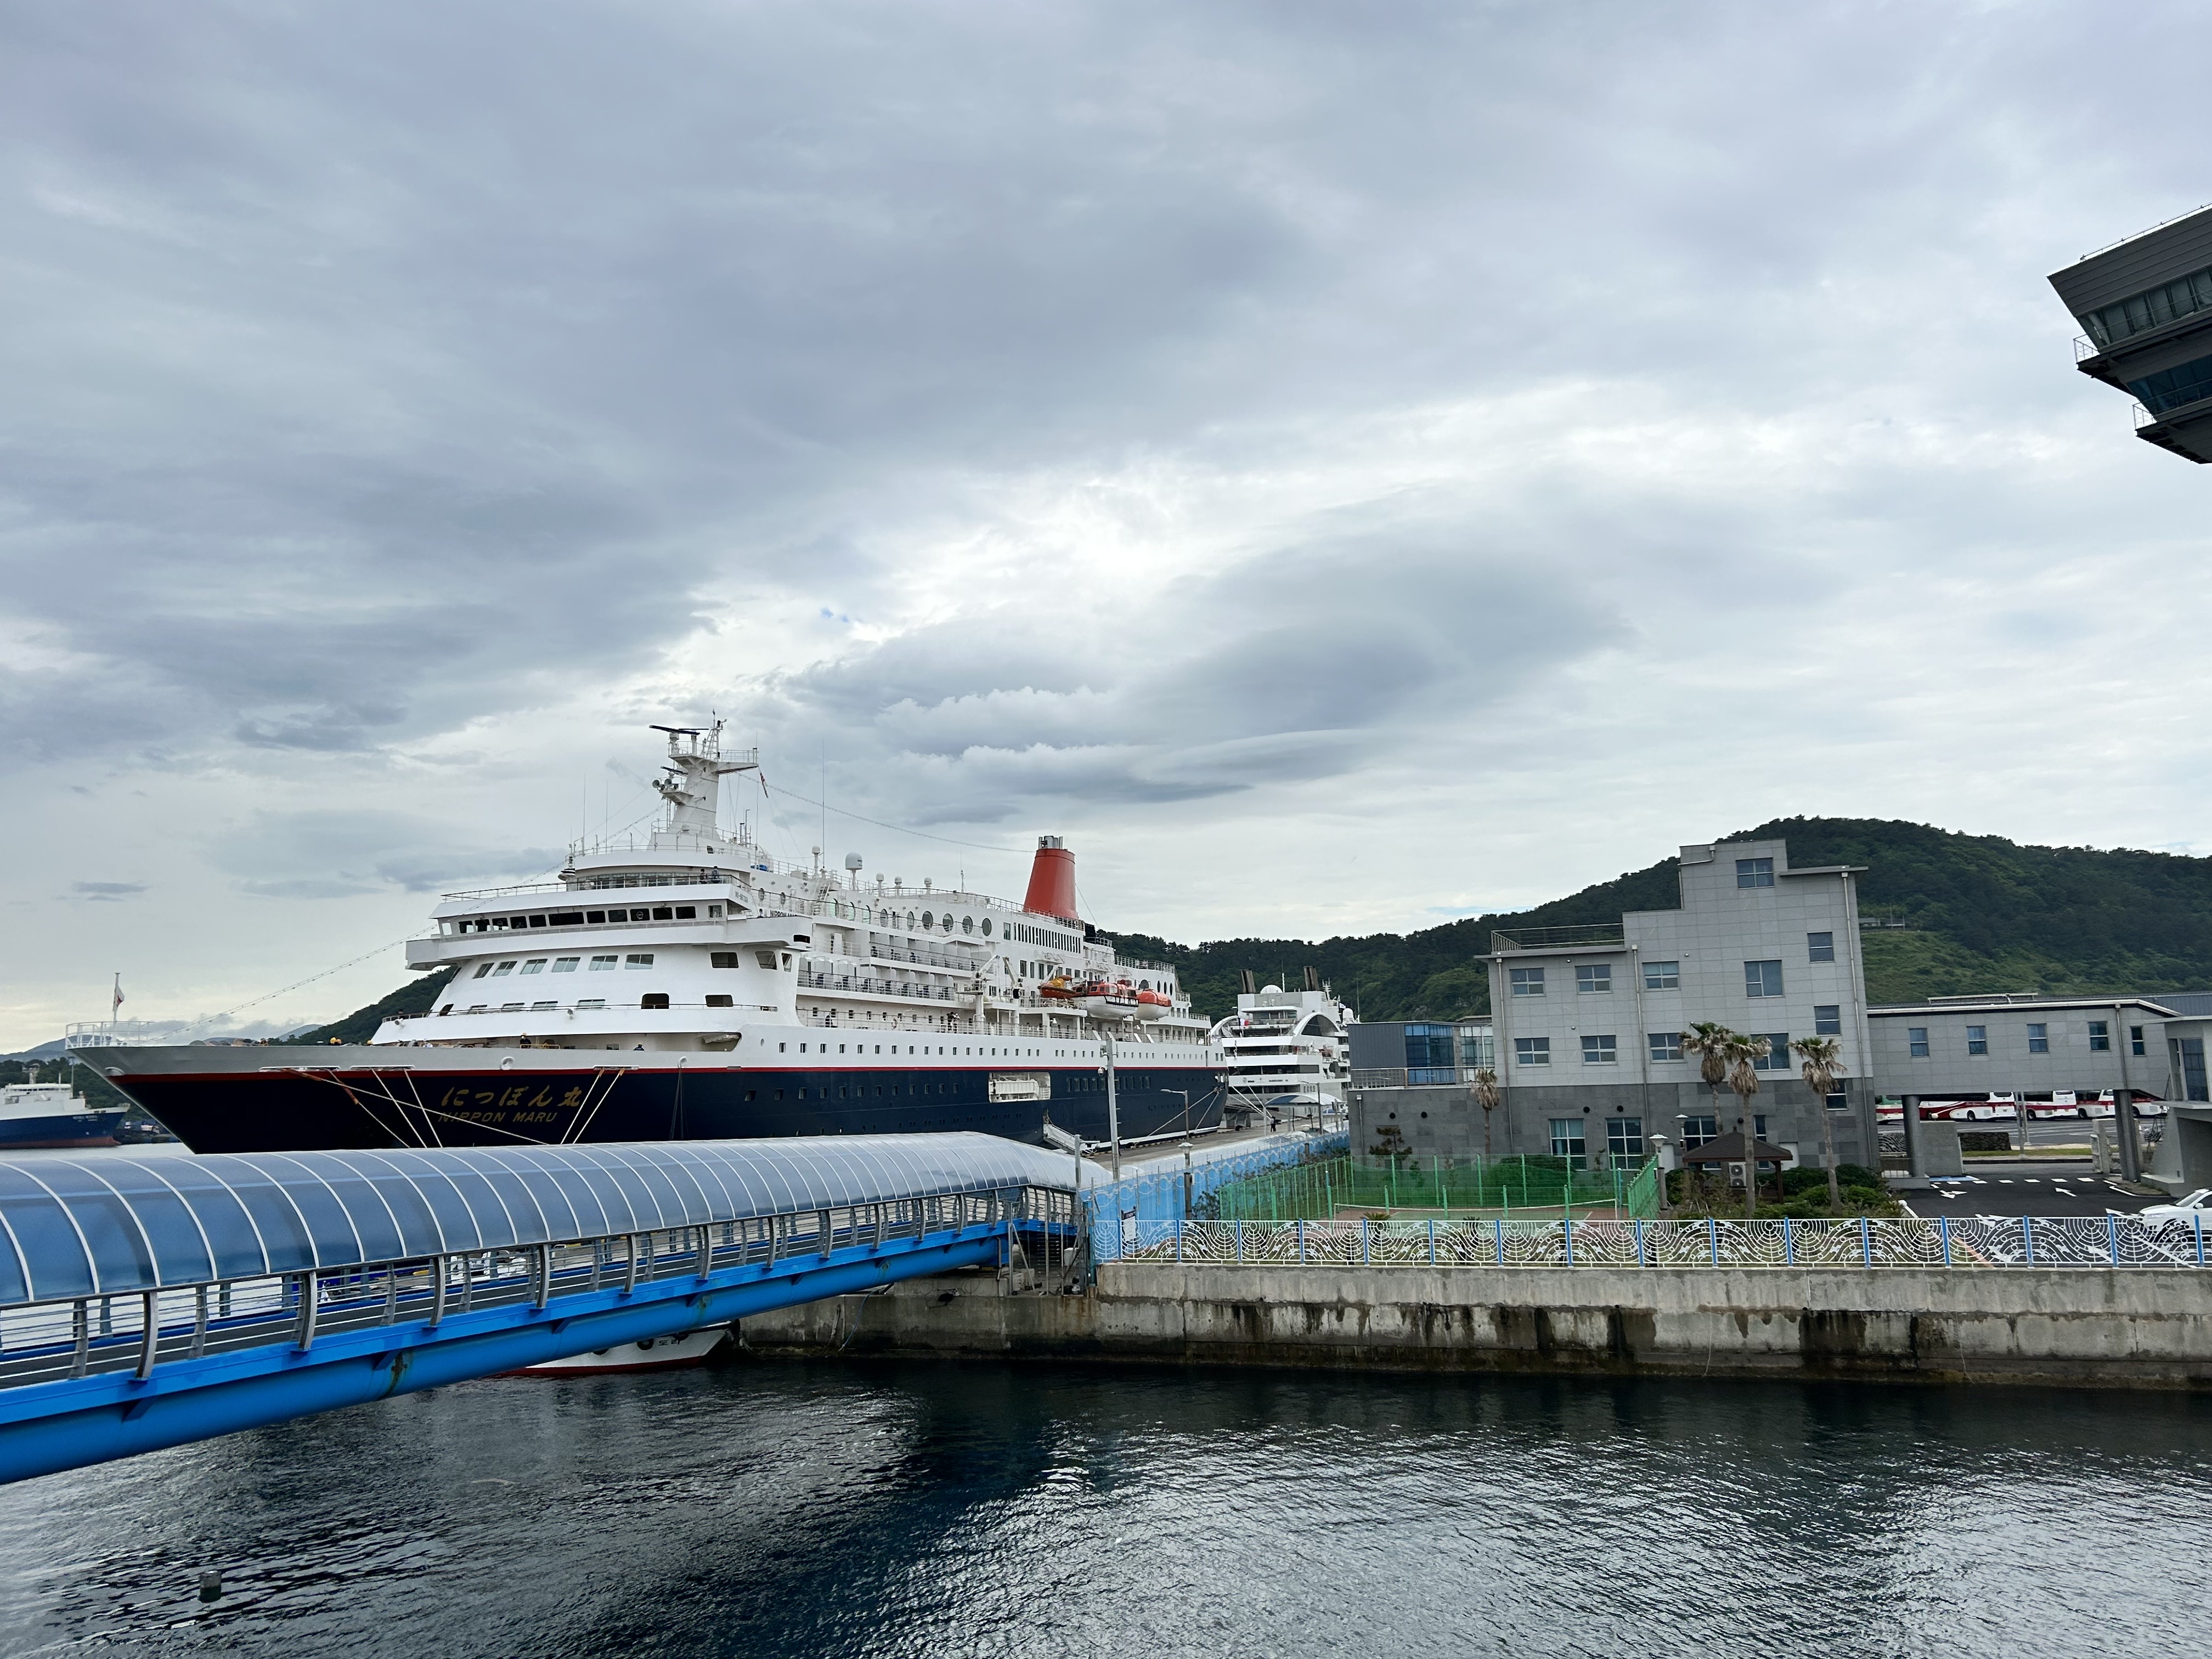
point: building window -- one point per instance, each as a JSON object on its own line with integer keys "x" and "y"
{"x": 1478, "y": 1050}
{"x": 1777, "y": 1058}
{"x": 1527, "y": 981}
{"x": 1696, "y": 1130}
{"x": 1759, "y": 1126}
{"x": 1429, "y": 1051}
{"x": 1665, "y": 1045}
{"x": 2182, "y": 297}
{"x": 1977, "y": 1039}
{"x": 1840, "y": 1101}
{"x": 2039, "y": 1039}
{"x": 1567, "y": 1140}
{"x": 1915, "y": 1041}
{"x": 2135, "y": 1041}
{"x": 1623, "y": 1136}
{"x": 1827, "y": 1019}
{"x": 1754, "y": 873}
{"x": 2170, "y": 388}
{"x": 2100, "y": 1037}
{"x": 1663, "y": 975}
{"x": 1593, "y": 976}
{"x": 1820, "y": 947}
{"x": 1531, "y": 1051}
{"x": 1598, "y": 1051}
{"x": 1762, "y": 979}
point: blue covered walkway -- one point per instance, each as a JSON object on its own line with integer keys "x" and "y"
{"x": 147, "y": 1301}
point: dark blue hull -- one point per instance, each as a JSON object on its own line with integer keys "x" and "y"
{"x": 299, "y": 1110}
{"x": 63, "y": 1129}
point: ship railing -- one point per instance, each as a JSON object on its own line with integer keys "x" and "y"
{"x": 864, "y": 985}
{"x": 921, "y": 958}
{"x": 133, "y": 1332}
{"x": 874, "y": 1021}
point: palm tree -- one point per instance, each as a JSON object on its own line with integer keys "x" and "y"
{"x": 1487, "y": 1096}
{"x": 1713, "y": 1043}
{"x": 1744, "y": 1053}
{"x": 1824, "y": 1064}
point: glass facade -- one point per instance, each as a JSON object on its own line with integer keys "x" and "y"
{"x": 1431, "y": 1054}
{"x": 2139, "y": 313}
{"x": 1477, "y": 1051}
{"x": 2170, "y": 388}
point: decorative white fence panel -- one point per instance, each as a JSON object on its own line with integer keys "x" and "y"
{"x": 2109, "y": 1241}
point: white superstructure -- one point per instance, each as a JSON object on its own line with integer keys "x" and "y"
{"x": 1285, "y": 1053}
{"x": 692, "y": 935}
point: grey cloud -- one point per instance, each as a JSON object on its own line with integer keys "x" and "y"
{"x": 335, "y": 854}
{"x": 106, "y": 892}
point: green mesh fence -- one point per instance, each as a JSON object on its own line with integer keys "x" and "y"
{"x": 1538, "y": 1187}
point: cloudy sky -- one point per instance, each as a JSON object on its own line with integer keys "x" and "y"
{"x": 1341, "y": 466}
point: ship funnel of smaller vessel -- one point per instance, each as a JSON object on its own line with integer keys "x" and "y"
{"x": 1052, "y": 880}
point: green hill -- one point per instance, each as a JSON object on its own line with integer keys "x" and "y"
{"x": 1973, "y": 912}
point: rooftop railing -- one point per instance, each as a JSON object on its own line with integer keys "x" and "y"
{"x": 1597, "y": 934}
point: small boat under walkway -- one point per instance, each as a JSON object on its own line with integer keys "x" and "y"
{"x": 153, "y": 1300}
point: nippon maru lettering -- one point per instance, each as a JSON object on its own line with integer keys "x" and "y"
{"x": 686, "y": 986}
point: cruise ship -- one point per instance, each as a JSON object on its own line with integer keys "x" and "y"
{"x": 1285, "y": 1053}
{"x": 687, "y": 986}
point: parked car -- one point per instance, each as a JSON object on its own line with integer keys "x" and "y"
{"x": 2182, "y": 1213}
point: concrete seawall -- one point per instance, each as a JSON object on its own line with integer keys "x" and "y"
{"x": 2146, "y": 1327}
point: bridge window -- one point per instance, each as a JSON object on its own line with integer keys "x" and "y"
{"x": 638, "y": 959}
{"x": 603, "y": 964}
{"x": 687, "y": 912}
{"x": 566, "y": 917}
{"x": 595, "y": 916}
{"x": 566, "y": 965}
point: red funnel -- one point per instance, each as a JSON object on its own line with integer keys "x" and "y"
{"x": 1052, "y": 881}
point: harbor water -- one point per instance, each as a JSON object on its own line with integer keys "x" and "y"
{"x": 826, "y": 1507}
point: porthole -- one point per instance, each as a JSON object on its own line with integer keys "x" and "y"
{"x": 967, "y": 924}
{"x": 986, "y": 927}
{"x": 928, "y": 920}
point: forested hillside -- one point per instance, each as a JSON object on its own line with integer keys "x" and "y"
{"x": 1977, "y": 912}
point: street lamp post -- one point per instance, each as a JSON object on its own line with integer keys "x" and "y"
{"x": 1113, "y": 1106}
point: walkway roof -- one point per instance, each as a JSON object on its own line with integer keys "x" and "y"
{"x": 121, "y": 1222}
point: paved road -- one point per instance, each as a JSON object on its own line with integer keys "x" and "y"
{"x": 2026, "y": 1189}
